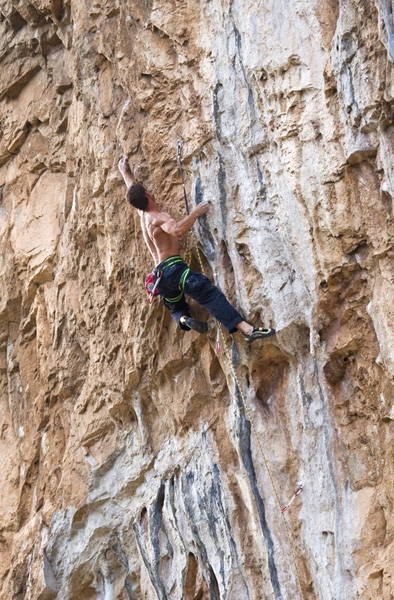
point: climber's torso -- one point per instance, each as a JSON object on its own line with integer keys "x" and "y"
{"x": 160, "y": 243}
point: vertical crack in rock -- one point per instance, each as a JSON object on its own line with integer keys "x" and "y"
{"x": 188, "y": 482}
{"x": 212, "y": 505}
{"x": 206, "y": 236}
{"x": 222, "y": 194}
{"x": 388, "y": 18}
{"x": 157, "y": 527}
{"x": 251, "y": 104}
{"x": 148, "y": 563}
{"x": 122, "y": 556}
{"x": 222, "y": 170}
{"x": 327, "y": 444}
{"x": 349, "y": 87}
{"x": 260, "y": 178}
{"x": 224, "y": 515}
{"x": 244, "y": 432}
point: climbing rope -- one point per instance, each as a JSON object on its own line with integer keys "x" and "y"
{"x": 220, "y": 335}
{"x": 179, "y": 153}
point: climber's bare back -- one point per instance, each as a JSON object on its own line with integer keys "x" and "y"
{"x": 160, "y": 243}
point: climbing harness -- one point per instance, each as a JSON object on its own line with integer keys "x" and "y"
{"x": 220, "y": 336}
{"x": 181, "y": 286}
{"x": 152, "y": 280}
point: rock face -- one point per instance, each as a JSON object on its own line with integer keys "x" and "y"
{"x": 130, "y": 466}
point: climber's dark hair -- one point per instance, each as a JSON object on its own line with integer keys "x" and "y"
{"x": 136, "y": 195}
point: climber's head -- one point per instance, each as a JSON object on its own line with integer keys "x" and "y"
{"x": 138, "y": 196}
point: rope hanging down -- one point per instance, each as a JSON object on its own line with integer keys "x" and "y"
{"x": 242, "y": 396}
{"x": 179, "y": 152}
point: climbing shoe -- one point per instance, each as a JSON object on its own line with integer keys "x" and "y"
{"x": 199, "y": 326}
{"x": 258, "y": 333}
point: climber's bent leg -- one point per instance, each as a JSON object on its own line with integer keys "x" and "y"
{"x": 199, "y": 326}
{"x": 198, "y": 287}
{"x": 178, "y": 310}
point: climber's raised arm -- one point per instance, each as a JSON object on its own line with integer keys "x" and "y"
{"x": 124, "y": 168}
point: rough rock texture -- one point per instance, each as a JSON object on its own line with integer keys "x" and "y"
{"x": 129, "y": 468}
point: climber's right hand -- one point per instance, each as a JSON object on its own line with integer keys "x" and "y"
{"x": 201, "y": 208}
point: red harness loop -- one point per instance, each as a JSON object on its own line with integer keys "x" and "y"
{"x": 152, "y": 280}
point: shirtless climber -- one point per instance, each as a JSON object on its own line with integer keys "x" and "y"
{"x": 161, "y": 234}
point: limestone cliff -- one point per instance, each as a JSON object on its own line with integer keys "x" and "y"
{"x": 129, "y": 467}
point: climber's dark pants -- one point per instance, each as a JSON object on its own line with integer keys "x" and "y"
{"x": 198, "y": 287}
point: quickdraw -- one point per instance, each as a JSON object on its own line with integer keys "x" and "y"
{"x": 217, "y": 344}
{"x": 179, "y": 153}
{"x": 296, "y": 493}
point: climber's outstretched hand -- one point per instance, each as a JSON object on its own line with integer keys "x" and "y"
{"x": 124, "y": 168}
{"x": 201, "y": 208}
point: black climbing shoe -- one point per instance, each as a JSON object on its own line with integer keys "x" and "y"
{"x": 258, "y": 333}
{"x": 199, "y": 326}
